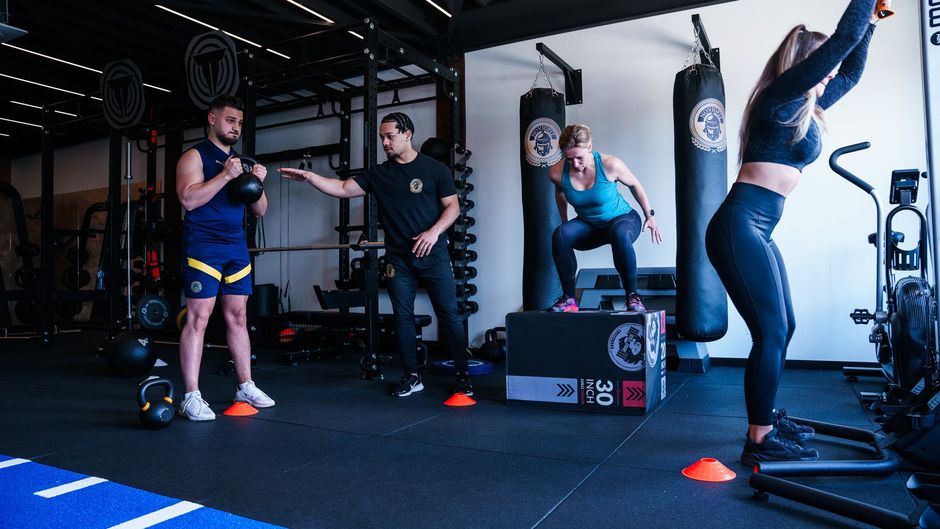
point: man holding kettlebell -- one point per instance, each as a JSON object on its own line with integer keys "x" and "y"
{"x": 215, "y": 250}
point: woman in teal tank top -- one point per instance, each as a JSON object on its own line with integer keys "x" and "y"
{"x": 587, "y": 180}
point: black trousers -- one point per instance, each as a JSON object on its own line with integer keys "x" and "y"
{"x": 577, "y": 234}
{"x": 435, "y": 273}
{"x": 739, "y": 245}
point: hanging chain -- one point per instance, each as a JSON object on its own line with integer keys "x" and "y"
{"x": 541, "y": 74}
{"x": 697, "y": 51}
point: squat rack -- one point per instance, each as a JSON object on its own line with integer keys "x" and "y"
{"x": 327, "y": 79}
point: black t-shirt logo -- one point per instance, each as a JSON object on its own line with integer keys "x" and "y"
{"x": 416, "y": 186}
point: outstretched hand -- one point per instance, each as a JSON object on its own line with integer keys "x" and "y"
{"x": 294, "y": 174}
{"x": 650, "y": 223}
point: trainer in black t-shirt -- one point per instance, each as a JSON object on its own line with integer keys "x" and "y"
{"x": 409, "y": 198}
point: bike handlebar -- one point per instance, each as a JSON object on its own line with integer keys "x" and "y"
{"x": 843, "y": 172}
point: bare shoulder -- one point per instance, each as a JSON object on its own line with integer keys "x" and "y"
{"x": 613, "y": 166}
{"x": 190, "y": 165}
{"x": 555, "y": 171}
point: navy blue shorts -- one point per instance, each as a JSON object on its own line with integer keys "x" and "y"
{"x": 210, "y": 269}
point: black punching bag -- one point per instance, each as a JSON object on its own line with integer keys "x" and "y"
{"x": 701, "y": 186}
{"x": 541, "y": 117}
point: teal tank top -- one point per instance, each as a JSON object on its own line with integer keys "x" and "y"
{"x": 599, "y": 204}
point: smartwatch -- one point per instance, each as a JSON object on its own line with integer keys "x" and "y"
{"x": 652, "y": 213}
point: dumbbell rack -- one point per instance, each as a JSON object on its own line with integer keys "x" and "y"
{"x": 461, "y": 239}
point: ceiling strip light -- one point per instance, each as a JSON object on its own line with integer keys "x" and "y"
{"x": 439, "y": 8}
{"x": 51, "y": 58}
{"x": 311, "y": 11}
{"x": 83, "y": 67}
{"x": 40, "y": 108}
{"x": 191, "y": 19}
{"x": 234, "y": 36}
{"x": 42, "y": 85}
{"x": 230, "y": 34}
{"x": 279, "y": 54}
{"x": 21, "y": 122}
{"x": 5, "y": 135}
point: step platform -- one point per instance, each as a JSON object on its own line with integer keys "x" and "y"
{"x": 611, "y": 362}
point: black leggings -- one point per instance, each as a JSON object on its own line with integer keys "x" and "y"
{"x": 576, "y": 234}
{"x": 751, "y": 268}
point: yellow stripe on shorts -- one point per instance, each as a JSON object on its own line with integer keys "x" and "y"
{"x": 203, "y": 267}
{"x": 238, "y": 275}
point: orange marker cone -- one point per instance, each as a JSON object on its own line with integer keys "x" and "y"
{"x": 708, "y": 469}
{"x": 459, "y": 399}
{"x": 240, "y": 409}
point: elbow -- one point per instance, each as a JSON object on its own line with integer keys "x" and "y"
{"x": 187, "y": 202}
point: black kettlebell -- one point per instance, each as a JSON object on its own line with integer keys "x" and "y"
{"x": 158, "y": 414}
{"x": 246, "y": 188}
{"x": 494, "y": 347}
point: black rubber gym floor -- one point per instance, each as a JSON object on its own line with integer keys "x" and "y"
{"x": 338, "y": 451}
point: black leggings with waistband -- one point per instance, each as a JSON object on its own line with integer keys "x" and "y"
{"x": 740, "y": 247}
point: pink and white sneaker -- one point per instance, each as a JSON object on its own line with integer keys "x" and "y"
{"x": 564, "y": 304}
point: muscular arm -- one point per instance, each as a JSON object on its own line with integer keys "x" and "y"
{"x": 330, "y": 186}
{"x": 621, "y": 173}
{"x": 192, "y": 188}
{"x": 260, "y": 207}
{"x": 426, "y": 240}
{"x": 554, "y": 174}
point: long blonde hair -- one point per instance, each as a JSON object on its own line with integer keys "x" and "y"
{"x": 796, "y": 46}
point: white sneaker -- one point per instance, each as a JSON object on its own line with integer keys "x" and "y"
{"x": 249, "y": 392}
{"x": 196, "y": 409}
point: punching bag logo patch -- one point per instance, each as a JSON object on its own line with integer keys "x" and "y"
{"x": 541, "y": 142}
{"x": 707, "y": 124}
{"x": 416, "y": 186}
{"x": 625, "y": 346}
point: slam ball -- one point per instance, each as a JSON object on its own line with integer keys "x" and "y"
{"x": 130, "y": 354}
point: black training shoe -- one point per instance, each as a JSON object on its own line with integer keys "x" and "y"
{"x": 791, "y": 430}
{"x": 776, "y": 447}
{"x": 463, "y": 384}
{"x": 409, "y": 384}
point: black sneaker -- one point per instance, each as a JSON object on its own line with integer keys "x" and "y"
{"x": 776, "y": 447}
{"x": 791, "y": 430}
{"x": 463, "y": 384}
{"x": 409, "y": 384}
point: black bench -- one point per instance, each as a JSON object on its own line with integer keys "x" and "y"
{"x": 346, "y": 330}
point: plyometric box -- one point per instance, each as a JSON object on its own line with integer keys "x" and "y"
{"x": 611, "y": 362}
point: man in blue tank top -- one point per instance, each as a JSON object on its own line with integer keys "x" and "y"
{"x": 215, "y": 254}
{"x": 417, "y": 200}
{"x": 587, "y": 180}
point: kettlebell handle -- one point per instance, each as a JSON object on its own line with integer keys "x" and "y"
{"x": 493, "y": 334}
{"x": 247, "y": 163}
{"x": 149, "y": 383}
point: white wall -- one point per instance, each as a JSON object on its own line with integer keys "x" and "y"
{"x": 77, "y": 168}
{"x": 628, "y": 72}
